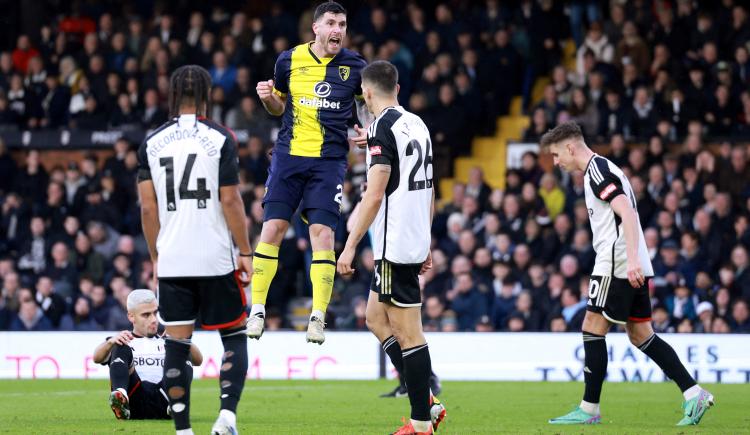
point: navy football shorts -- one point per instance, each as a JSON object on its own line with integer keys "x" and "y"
{"x": 312, "y": 184}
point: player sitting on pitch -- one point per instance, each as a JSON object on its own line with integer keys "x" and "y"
{"x": 136, "y": 360}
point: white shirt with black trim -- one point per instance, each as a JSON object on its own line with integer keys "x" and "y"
{"x": 401, "y": 229}
{"x": 148, "y": 357}
{"x": 188, "y": 159}
{"x": 603, "y": 181}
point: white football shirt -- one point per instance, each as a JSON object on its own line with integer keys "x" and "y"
{"x": 188, "y": 159}
{"x": 401, "y": 229}
{"x": 603, "y": 181}
{"x": 148, "y": 357}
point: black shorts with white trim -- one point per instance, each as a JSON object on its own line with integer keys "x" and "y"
{"x": 397, "y": 283}
{"x": 616, "y": 300}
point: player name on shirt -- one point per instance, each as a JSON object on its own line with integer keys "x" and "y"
{"x": 188, "y": 159}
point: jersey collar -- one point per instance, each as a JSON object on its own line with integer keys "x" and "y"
{"x": 589, "y": 163}
{"x": 325, "y": 60}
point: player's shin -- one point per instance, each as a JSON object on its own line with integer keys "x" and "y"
{"x": 177, "y": 378}
{"x": 233, "y": 368}
{"x": 594, "y": 370}
{"x": 119, "y": 366}
{"x": 393, "y": 350}
{"x": 265, "y": 263}
{"x": 417, "y": 369}
{"x": 322, "y": 271}
{"x": 666, "y": 358}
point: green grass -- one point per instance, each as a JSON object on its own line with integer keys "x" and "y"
{"x": 330, "y": 407}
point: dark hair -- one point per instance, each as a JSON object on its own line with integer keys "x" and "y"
{"x": 382, "y": 75}
{"x": 566, "y": 130}
{"x": 189, "y": 82}
{"x": 329, "y": 6}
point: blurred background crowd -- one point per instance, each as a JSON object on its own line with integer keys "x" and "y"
{"x": 659, "y": 87}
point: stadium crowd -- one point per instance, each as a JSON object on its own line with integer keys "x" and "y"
{"x": 661, "y": 86}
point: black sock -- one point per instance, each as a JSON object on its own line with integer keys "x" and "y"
{"x": 595, "y": 368}
{"x": 233, "y": 367}
{"x": 391, "y": 347}
{"x": 666, "y": 358}
{"x": 177, "y": 377}
{"x": 417, "y": 368}
{"x": 120, "y": 361}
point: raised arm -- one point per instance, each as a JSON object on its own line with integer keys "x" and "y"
{"x": 273, "y": 101}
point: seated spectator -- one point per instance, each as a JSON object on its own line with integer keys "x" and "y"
{"x": 80, "y": 319}
{"x": 557, "y": 324}
{"x": 30, "y": 318}
{"x": 52, "y": 304}
{"x": 660, "y": 320}
{"x": 62, "y": 271}
{"x": 705, "y": 313}
{"x": 117, "y": 318}
{"x": 552, "y": 195}
{"x": 681, "y": 305}
{"x": 685, "y": 326}
{"x": 466, "y": 301}
{"x": 532, "y": 320}
{"x": 573, "y": 308}
{"x": 432, "y": 315}
{"x": 720, "y": 326}
{"x": 538, "y": 127}
{"x": 484, "y": 324}
{"x": 503, "y": 305}
{"x": 740, "y": 320}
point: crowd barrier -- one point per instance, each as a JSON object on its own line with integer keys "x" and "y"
{"x": 357, "y": 355}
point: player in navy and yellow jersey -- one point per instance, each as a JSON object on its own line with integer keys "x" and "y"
{"x": 315, "y": 88}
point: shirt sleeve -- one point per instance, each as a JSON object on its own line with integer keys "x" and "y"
{"x": 605, "y": 185}
{"x": 382, "y": 147}
{"x": 144, "y": 170}
{"x": 281, "y": 74}
{"x": 229, "y": 162}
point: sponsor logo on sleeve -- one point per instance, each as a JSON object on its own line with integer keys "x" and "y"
{"x": 607, "y": 191}
{"x": 376, "y": 150}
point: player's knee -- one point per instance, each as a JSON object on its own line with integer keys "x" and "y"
{"x": 321, "y": 234}
{"x": 273, "y": 231}
{"x": 375, "y": 323}
{"x": 638, "y": 335}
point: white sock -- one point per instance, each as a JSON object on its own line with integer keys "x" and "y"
{"x": 319, "y": 314}
{"x": 228, "y": 416}
{"x": 185, "y": 432}
{"x": 421, "y": 426}
{"x": 258, "y": 308}
{"x": 590, "y": 408}
{"x": 691, "y": 392}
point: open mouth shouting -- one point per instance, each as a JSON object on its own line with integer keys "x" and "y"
{"x": 334, "y": 43}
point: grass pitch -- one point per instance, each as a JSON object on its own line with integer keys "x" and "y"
{"x": 353, "y": 407}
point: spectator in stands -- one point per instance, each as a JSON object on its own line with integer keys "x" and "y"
{"x": 118, "y": 313}
{"x": 705, "y": 313}
{"x": 466, "y": 302}
{"x": 53, "y": 305}
{"x": 30, "y": 318}
{"x": 740, "y": 320}
{"x": 61, "y": 271}
{"x": 80, "y": 319}
{"x": 246, "y": 116}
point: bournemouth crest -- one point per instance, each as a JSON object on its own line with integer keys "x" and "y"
{"x": 344, "y": 72}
